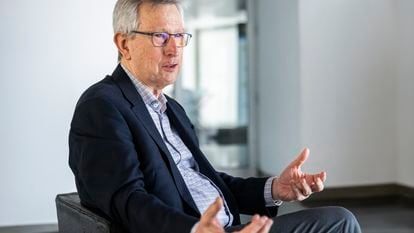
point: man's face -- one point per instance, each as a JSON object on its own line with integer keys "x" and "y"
{"x": 156, "y": 67}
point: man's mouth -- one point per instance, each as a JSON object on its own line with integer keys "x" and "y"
{"x": 170, "y": 67}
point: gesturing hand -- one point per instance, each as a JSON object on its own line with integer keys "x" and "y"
{"x": 294, "y": 185}
{"x": 210, "y": 224}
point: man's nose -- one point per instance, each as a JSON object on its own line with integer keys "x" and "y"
{"x": 171, "y": 48}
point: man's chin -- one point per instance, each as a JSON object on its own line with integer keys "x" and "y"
{"x": 168, "y": 80}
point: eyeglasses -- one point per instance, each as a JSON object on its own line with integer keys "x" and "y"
{"x": 160, "y": 39}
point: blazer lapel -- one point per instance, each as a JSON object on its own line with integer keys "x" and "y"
{"x": 141, "y": 112}
{"x": 183, "y": 127}
{"x": 139, "y": 108}
{"x": 185, "y": 132}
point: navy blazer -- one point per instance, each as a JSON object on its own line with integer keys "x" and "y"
{"x": 123, "y": 168}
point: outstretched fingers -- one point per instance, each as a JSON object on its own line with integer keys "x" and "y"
{"x": 318, "y": 184}
{"x": 316, "y": 181}
{"x": 298, "y": 193}
{"x": 258, "y": 225}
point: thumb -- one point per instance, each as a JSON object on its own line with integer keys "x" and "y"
{"x": 302, "y": 157}
{"x": 212, "y": 210}
{"x": 322, "y": 176}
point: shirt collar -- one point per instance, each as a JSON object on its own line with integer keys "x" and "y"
{"x": 158, "y": 105}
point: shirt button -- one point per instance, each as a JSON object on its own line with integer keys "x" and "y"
{"x": 155, "y": 104}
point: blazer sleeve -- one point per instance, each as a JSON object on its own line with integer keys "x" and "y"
{"x": 107, "y": 171}
{"x": 249, "y": 194}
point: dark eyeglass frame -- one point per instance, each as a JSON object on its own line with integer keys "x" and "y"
{"x": 185, "y": 36}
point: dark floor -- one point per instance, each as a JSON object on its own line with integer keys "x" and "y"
{"x": 46, "y": 228}
{"x": 373, "y": 218}
{"x": 386, "y": 218}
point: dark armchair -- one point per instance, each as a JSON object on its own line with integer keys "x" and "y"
{"x": 73, "y": 217}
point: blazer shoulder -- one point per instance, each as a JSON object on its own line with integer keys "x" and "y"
{"x": 106, "y": 89}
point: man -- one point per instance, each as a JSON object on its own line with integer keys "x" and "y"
{"x": 136, "y": 157}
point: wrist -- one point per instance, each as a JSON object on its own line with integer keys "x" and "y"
{"x": 276, "y": 199}
{"x": 275, "y": 185}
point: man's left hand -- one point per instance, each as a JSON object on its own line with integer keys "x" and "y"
{"x": 294, "y": 185}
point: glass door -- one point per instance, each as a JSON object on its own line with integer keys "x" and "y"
{"x": 213, "y": 87}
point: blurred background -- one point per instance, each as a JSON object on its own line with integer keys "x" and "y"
{"x": 261, "y": 80}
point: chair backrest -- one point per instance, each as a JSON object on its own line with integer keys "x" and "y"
{"x": 75, "y": 218}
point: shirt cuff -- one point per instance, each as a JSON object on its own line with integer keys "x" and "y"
{"x": 193, "y": 230}
{"x": 268, "y": 193}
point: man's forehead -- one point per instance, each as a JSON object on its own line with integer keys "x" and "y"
{"x": 162, "y": 16}
{"x": 166, "y": 9}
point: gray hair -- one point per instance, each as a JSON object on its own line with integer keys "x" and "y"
{"x": 126, "y": 13}
{"x": 125, "y": 16}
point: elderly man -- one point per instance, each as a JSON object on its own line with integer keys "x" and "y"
{"x": 136, "y": 157}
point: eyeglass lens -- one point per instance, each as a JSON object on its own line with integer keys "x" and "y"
{"x": 162, "y": 38}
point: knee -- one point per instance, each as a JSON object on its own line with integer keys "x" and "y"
{"x": 340, "y": 213}
{"x": 344, "y": 216}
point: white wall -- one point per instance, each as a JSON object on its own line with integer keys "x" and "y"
{"x": 277, "y": 53}
{"x": 354, "y": 84}
{"x": 406, "y": 92}
{"x": 50, "y": 52}
{"x": 348, "y": 86}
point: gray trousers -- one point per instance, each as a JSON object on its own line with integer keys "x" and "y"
{"x": 315, "y": 220}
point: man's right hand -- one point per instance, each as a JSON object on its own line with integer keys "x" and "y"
{"x": 210, "y": 224}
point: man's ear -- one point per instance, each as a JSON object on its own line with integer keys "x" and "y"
{"x": 121, "y": 42}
